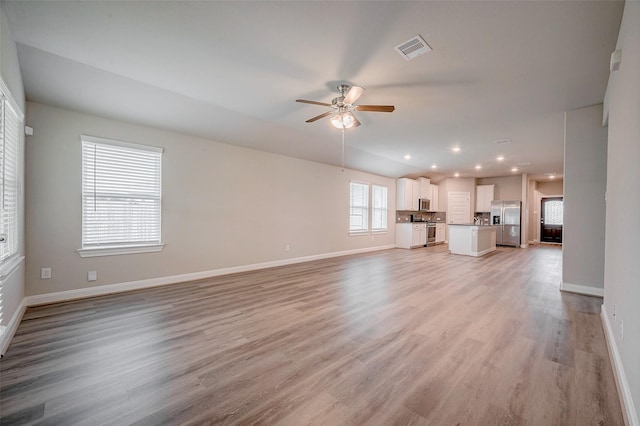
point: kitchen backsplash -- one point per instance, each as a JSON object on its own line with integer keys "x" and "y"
{"x": 483, "y": 218}
{"x": 412, "y": 216}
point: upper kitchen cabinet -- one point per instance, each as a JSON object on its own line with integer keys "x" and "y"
{"x": 424, "y": 187}
{"x": 407, "y": 194}
{"x": 434, "y": 198}
{"x": 484, "y": 197}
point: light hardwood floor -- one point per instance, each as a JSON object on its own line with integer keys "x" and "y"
{"x": 395, "y": 337}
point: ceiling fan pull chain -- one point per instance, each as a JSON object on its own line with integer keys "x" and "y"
{"x": 343, "y": 149}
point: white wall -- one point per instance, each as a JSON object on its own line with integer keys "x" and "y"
{"x": 554, "y": 187}
{"x": 585, "y": 178}
{"x": 223, "y": 205}
{"x": 622, "y": 262}
{"x": 507, "y": 188}
{"x": 14, "y": 286}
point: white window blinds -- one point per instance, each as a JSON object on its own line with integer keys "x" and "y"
{"x": 378, "y": 208}
{"x": 121, "y": 193}
{"x": 9, "y": 138}
{"x": 359, "y": 207}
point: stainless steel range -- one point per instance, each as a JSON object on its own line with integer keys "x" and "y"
{"x": 431, "y": 234}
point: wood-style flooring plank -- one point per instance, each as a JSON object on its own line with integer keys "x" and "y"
{"x": 396, "y": 337}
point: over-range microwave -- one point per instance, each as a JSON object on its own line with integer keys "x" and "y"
{"x": 424, "y": 204}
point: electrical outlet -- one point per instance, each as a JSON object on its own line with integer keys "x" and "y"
{"x": 287, "y": 247}
{"x": 45, "y": 273}
{"x": 92, "y": 276}
{"x": 621, "y": 331}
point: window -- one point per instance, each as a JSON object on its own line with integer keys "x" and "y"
{"x": 378, "y": 208}
{"x": 121, "y": 197}
{"x": 10, "y": 128}
{"x": 359, "y": 207}
{"x": 364, "y": 210}
{"x": 9, "y": 138}
{"x": 553, "y": 212}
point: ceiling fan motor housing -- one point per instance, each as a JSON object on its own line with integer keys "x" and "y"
{"x": 343, "y": 88}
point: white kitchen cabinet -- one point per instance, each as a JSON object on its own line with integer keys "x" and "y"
{"x": 434, "y": 198}
{"x": 440, "y": 232}
{"x": 410, "y": 235}
{"x": 484, "y": 197}
{"x": 424, "y": 188}
{"x": 419, "y": 235}
{"x": 407, "y": 194}
{"x": 403, "y": 235}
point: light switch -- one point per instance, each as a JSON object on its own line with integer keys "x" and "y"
{"x": 92, "y": 276}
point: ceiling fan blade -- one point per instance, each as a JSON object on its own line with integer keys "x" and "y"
{"x": 304, "y": 101}
{"x": 353, "y": 94}
{"x": 376, "y": 108}
{"x": 318, "y": 117}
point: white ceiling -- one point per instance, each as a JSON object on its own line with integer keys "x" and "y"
{"x": 231, "y": 71}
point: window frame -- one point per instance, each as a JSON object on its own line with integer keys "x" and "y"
{"x": 8, "y": 260}
{"x": 364, "y": 229}
{"x": 13, "y": 259}
{"x": 384, "y": 209}
{"x": 369, "y": 230}
{"x": 119, "y": 248}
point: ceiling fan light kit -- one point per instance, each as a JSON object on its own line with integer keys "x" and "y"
{"x": 343, "y": 120}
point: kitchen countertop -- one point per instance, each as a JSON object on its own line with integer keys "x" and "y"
{"x": 470, "y": 224}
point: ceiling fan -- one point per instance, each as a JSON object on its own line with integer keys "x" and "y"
{"x": 342, "y": 107}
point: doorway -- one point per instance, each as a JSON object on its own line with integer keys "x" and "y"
{"x": 459, "y": 208}
{"x": 551, "y": 220}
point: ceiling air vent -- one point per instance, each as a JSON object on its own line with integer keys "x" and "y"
{"x": 503, "y": 141}
{"x": 413, "y": 47}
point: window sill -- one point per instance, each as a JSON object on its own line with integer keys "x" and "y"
{"x": 118, "y": 250}
{"x": 9, "y": 266}
{"x": 357, "y": 233}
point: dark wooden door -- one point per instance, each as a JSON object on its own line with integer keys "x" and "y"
{"x": 551, "y": 220}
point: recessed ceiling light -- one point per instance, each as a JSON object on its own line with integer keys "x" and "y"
{"x": 478, "y": 166}
{"x": 433, "y": 166}
{"x": 500, "y": 157}
{"x": 456, "y": 174}
{"x": 455, "y": 149}
{"x": 514, "y": 169}
{"x": 407, "y": 157}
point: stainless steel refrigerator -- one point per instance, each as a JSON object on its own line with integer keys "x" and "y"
{"x": 506, "y": 216}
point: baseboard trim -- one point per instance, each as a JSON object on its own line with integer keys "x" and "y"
{"x": 483, "y": 252}
{"x": 62, "y": 296}
{"x": 582, "y": 289}
{"x": 12, "y": 326}
{"x": 624, "y": 392}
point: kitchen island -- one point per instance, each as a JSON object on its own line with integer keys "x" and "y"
{"x": 472, "y": 240}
